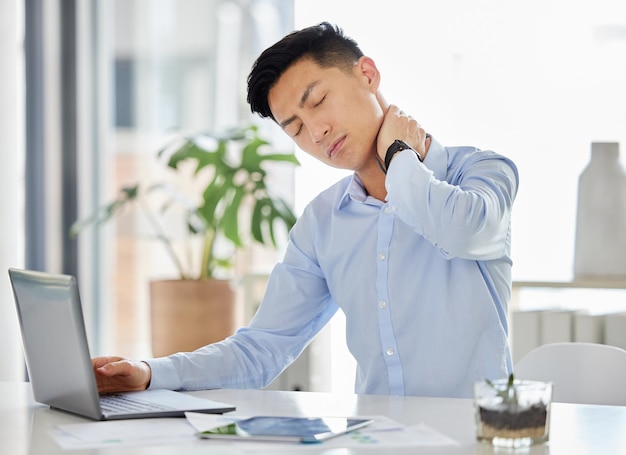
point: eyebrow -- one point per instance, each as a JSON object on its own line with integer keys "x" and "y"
{"x": 305, "y": 96}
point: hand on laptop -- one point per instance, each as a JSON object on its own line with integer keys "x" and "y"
{"x": 119, "y": 374}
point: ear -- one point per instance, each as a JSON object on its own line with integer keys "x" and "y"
{"x": 366, "y": 69}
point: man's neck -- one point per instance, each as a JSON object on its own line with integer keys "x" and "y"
{"x": 373, "y": 179}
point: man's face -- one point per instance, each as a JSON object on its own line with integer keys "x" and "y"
{"x": 331, "y": 114}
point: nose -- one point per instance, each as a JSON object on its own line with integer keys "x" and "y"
{"x": 318, "y": 131}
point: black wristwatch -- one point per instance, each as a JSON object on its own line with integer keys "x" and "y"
{"x": 395, "y": 147}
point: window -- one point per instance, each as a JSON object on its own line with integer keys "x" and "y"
{"x": 165, "y": 67}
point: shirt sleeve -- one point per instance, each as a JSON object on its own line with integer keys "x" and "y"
{"x": 459, "y": 200}
{"x": 295, "y": 307}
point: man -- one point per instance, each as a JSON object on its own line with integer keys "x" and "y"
{"x": 414, "y": 247}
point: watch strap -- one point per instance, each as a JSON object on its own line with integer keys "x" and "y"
{"x": 397, "y": 146}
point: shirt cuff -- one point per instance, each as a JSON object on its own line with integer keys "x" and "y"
{"x": 164, "y": 374}
{"x": 402, "y": 163}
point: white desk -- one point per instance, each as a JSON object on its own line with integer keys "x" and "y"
{"x": 575, "y": 429}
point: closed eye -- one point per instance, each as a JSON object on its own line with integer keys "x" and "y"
{"x": 320, "y": 101}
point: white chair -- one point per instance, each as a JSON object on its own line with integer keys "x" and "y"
{"x": 585, "y": 373}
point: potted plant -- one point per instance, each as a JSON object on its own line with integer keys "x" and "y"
{"x": 232, "y": 207}
{"x": 512, "y": 412}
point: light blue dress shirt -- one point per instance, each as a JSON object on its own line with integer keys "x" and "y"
{"x": 424, "y": 280}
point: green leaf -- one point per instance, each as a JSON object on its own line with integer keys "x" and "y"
{"x": 212, "y": 197}
{"x": 285, "y": 213}
{"x": 230, "y": 224}
{"x": 270, "y": 225}
{"x": 250, "y": 158}
{"x": 127, "y": 195}
{"x": 256, "y": 221}
{"x": 284, "y": 157}
{"x": 211, "y": 157}
{"x": 186, "y": 151}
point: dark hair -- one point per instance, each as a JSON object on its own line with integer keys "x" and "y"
{"x": 324, "y": 43}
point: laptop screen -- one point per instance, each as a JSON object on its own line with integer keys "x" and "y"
{"x": 55, "y": 342}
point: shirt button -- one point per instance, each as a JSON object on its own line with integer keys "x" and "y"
{"x": 382, "y": 304}
{"x": 389, "y": 351}
{"x": 381, "y": 256}
{"x": 387, "y": 210}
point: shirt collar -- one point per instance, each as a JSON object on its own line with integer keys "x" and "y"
{"x": 355, "y": 191}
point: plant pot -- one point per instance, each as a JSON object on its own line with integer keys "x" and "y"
{"x": 516, "y": 415}
{"x": 189, "y": 314}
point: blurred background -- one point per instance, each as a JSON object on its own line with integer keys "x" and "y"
{"x": 90, "y": 90}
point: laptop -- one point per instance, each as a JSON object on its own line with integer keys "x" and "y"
{"x": 58, "y": 360}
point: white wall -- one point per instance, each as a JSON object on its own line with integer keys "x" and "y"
{"x": 536, "y": 80}
{"x": 11, "y": 180}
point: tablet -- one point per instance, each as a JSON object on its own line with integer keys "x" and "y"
{"x": 288, "y": 429}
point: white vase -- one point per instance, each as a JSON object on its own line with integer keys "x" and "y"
{"x": 600, "y": 250}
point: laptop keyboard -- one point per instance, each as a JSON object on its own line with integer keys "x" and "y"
{"x": 124, "y": 404}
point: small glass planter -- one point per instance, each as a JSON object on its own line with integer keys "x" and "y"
{"x": 512, "y": 413}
